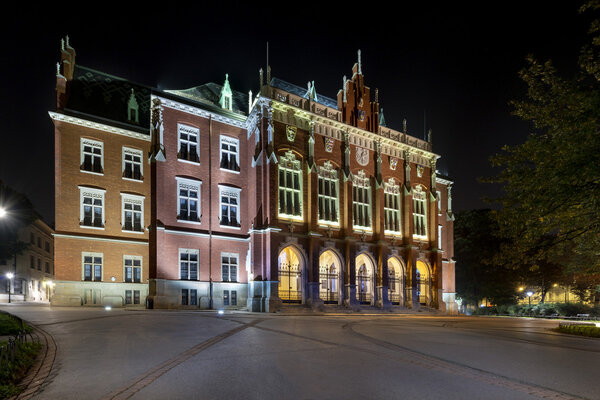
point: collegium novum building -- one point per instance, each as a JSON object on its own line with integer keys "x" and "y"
{"x": 210, "y": 198}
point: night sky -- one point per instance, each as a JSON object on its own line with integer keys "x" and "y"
{"x": 458, "y": 63}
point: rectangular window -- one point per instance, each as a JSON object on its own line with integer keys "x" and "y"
{"x": 132, "y": 164}
{"x": 136, "y": 297}
{"x": 392, "y": 207}
{"x": 419, "y": 213}
{"x": 39, "y": 264}
{"x": 184, "y": 297}
{"x": 328, "y": 199}
{"x": 193, "y": 297}
{"x": 188, "y": 264}
{"x": 31, "y": 262}
{"x": 230, "y": 206}
{"x": 361, "y": 199}
{"x": 290, "y": 192}
{"x": 47, "y": 247}
{"x": 128, "y": 297}
{"x": 229, "y": 267}
{"x": 225, "y": 297}
{"x": 188, "y": 200}
{"x": 92, "y": 266}
{"x": 439, "y": 202}
{"x": 230, "y": 154}
{"x": 440, "y": 237}
{"x": 234, "y": 297}
{"x": 188, "y": 143}
{"x": 92, "y": 207}
{"x": 132, "y": 269}
{"x": 91, "y": 156}
{"x": 133, "y": 212}
{"x": 47, "y": 267}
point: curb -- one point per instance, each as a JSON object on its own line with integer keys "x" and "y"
{"x": 41, "y": 368}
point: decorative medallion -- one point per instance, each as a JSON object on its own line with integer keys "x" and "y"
{"x": 393, "y": 163}
{"x": 420, "y": 170}
{"x": 291, "y": 132}
{"x": 329, "y": 144}
{"x": 362, "y": 156}
{"x": 361, "y": 115}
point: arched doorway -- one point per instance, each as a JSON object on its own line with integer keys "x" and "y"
{"x": 423, "y": 282}
{"x": 330, "y": 269}
{"x": 364, "y": 279}
{"x": 395, "y": 281}
{"x": 290, "y": 275}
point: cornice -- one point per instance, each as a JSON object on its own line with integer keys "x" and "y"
{"x": 98, "y": 126}
{"x": 175, "y": 105}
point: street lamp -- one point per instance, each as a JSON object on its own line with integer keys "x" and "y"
{"x": 9, "y": 275}
{"x": 529, "y": 294}
{"x": 2, "y": 212}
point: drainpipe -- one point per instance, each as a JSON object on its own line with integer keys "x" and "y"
{"x": 210, "y": 301}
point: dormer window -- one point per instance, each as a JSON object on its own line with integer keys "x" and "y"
{"x": 226, "y": 95}
{"x": 133, "y": 109}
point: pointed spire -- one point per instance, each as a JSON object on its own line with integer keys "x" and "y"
{"x": 404, "y": 125}
{"x": 226, "y": 95}
{"x": 376, "y": 95}
{"x": 68, "y": 45}
{"x": 429, "y": 135}
{"x": 62, "y": 44}
{"x": 381, "y": 118}
{"x": 249, "y": 101}
{"x": 311, "y": 93}
{"x": 344, "y": 87}
{"x": 359, "y": 63}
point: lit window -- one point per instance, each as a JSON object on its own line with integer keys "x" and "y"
{"x": 392, "y": 206}
{"x": 188, "y": 264}
{"x": 188, "y": 200}
{"x": 188, "y": 143}
{"x": 132, "y": 164}
{"x": 328, "y": 194}
{"x": 133, "y": 212}
{"x": 439, "y": 202}
{"x": 440, "y": 237}
{"x": 132, "y": 269}
{"x": 419, "y": 213}
{"x": 91, "y": 156}
{"x": 290, "y": 186}
{"x": 229, "y": 267}
{"x": 92, "y": 266}
{"x": 92, "y": 207}
{"x": 230, "y": 153}
{"x": 361, "y": 201}
{"x": 230, "y": 206}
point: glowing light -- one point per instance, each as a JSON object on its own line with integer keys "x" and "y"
{"x": 10, "y": 275}
{"x": 521, "y": 289}
{"x": 112, "y": 278}
{"x": 555, "y": 285}
{"x": 2, "y": 212}
{"x": 220, "y": 312}
{"x": 529, "y": 294}
{"x": 108, "y": 308}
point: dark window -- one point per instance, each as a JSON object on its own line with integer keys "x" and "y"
{"x": 39, "y": 242}
{"x": 92, "y": 158}
{"x": 188, "y": 144}
{"x": 188, "y": 263}
{"x": 225, "y": 297}
{"x": 31, "y": 262}
{"x": 47, "y": 247}
{"x": 128, "y": 297}
{"x": 133, "y": 166}
{"x": 229, "y": 268}
{"x": 133, "y": 216}
{"x": 47, "y": 265}
{"x": 133, "y": 270}
{"x": 184, "y": 297}
{"x": 234, "y": 297}
{"x": 92, "y": 268}
{"x": 136, "y": 297}
{"x": 39, "y": 264}
{"x": 229, "y": 155}
{"x": 193, "y": 297}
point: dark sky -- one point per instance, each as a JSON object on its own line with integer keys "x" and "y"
{"x": 459, "y": 62}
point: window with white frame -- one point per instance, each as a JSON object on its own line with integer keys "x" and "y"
{"x": 290, "y": 186}
{"x": 132, "y": 164}
{"x": 229, "y": 267}
{"x": 188, "y": 143}
{"x": 230, "y": 205}
{"x": 361, "y": 201}
{"x": 230, "y": 153}
{"x": 440, "y": 237}
{"x": 133, "y": 212}
{"x": 328, "y": 194}
{"x": 92, "y": 266}
{"x": 91, "y": 202}
{"x": 129, "y": 299}
{"x": 188, "y": 264}
{"x": 92, "y": 159}
{"x": 420, "y": 212}
{"x": 392, "y": 207}
{"x": 188, "y": 200}
{"x": 132, "y": 269}
{"x": 439, "y": 202}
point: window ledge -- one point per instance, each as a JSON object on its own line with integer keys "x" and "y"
{"x": 85, "y": 171}
{"x": 185, "y": 221}
{"x": 230, "y": 170}
{"x": 327, "y": 224}
{"x": 188, "y": 162}
{"x": 419, "y": 237}
{"x": 136, "y": 232}
{"x": 133, "y": 180}
{"x": 230, "y": 227}
{"x": 392, "y": 233}
{"x": 362, "y": 229}
{"x": 291, "y": 217}
{"x": 99, "y": 228}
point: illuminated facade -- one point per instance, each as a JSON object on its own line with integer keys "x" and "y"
{"x": 285, "y": 197}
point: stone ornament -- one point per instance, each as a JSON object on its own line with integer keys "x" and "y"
{"x": 329, "y": 144}
{"x": 393, "y": 163}
{"x": 291, "y": 132}
{"x": 420, "y": 170}
{"x": 362, "y": 156}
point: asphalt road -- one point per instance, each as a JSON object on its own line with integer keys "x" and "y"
{"x": 121, "y": 354}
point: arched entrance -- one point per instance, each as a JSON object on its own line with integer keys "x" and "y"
{"x": 396, "y": 281}
{"x": 365, "y": 279}
{"x": 423, "y": 282}
{"x": 290, "y": 275}
{"x": 330, "y": 269}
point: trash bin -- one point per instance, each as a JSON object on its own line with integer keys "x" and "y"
{"x": 149, "y": 303}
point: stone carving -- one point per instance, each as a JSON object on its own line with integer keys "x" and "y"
{"x": 393, "y": 163}
{"x": 329, "y": 144}
{"x": 420, "y": 170}
{"x": 291, "y": 132}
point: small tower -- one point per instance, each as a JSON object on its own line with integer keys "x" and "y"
{"x": 133, "y": 109}
{"x": 226, "y": 100}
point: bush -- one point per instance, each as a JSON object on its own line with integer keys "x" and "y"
{"x": 11, "y": 372}
{"x": 583, "y": 330}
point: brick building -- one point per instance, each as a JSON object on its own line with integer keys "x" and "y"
{"x": 253, "y": 201}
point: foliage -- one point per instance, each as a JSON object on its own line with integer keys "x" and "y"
{"x": 11, "y": 372}
{"x": 477, "y": 276}
{"x": 19, "y": 214}
{"x": 583, "y": 330}
{"x": 10, "y": 325}
{"x": 540, "y": 309}
{"x": 550, "y": 207}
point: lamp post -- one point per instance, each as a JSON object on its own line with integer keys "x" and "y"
{"x": 9, "y": 275}
{"x": 529, "y": 294}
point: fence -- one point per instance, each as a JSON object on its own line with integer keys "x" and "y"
{"x": 11, "y": 350}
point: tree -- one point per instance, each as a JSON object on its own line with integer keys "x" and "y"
{"x": 478, "y": 276}
{"x": 551, "y": 183}
{"x": 19, "y": 213}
